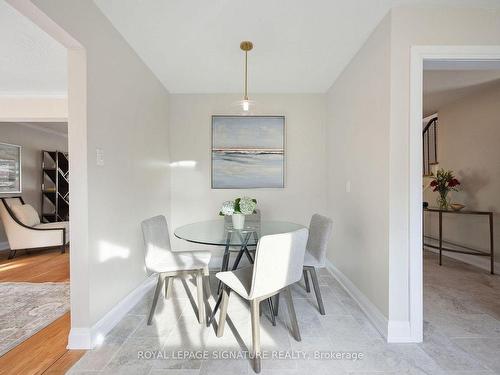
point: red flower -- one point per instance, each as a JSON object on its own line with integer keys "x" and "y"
{"x": 434, "y": 183}
{"x": 435, "y": 189}
{"x": 453, "y": 182}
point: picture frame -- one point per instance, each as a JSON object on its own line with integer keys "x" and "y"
{"x": 10, "y": 168}
{"x": 247, "y": 151}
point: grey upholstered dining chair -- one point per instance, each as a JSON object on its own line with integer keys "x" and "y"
{"x": 320, "y": 231}
{"x": 160, "y": 258}
{"x": 265, "y": 279}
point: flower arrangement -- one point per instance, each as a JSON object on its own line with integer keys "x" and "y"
{"x": 443, "y": 183}
{"x": 237, "y": 209}
{"x": 244, "y": 206}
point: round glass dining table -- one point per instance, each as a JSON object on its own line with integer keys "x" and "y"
{"x": 221, "y": 233}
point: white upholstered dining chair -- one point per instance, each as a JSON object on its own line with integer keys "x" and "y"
{"x": 159, "y": 258}
{"x": 278, "y": 264}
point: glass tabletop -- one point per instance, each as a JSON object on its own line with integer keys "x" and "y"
{"x": 218, "y": 232}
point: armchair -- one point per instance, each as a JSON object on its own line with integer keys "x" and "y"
{"x": 22, "y": 236}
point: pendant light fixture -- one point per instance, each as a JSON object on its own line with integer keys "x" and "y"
{"x": 246, "y": 104}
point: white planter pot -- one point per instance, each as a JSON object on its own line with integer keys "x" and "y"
{"x": 238, "y": 221}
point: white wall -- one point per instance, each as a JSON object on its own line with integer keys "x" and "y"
{"x": 305, "y": 175}
{"x": 469, "y": 135}
{"x": 419, "y": 26}
{"x": 126, "y": 116}
{"x": 33, "y": 141}
{"x": 358, "y": 153}
{"x": 372, "y": 98}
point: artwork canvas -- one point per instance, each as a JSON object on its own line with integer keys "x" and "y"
{"x": 248, "y": 152}
{"x": 10, "y": 168}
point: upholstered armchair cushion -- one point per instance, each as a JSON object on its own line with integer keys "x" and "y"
{"x": 26, "y": 214}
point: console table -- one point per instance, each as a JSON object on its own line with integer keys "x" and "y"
{"x": 469, "y": 251}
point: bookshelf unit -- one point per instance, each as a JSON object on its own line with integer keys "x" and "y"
{"x": 55, "y": 186}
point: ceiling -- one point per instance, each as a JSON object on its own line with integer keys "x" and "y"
{"x": 31, "y": 62}
{"x": 300, "y": 46}
{"x": 193, "y": 46}
{"x": 58, "y": 128}
{"x": 443, "y": 87}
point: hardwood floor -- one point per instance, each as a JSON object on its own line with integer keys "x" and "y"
{"x": 45, "y": 352}
{"x": 37, "y": 267}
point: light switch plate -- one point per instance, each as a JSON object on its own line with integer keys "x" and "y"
{"x": 99, "y": 156}
{"x": 348, "y": 187}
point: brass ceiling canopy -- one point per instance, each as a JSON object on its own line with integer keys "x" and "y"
{"x": 246, "y": 45}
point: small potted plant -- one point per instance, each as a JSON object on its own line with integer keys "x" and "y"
{"x": 237, "y": 209}
{"x": 443, "y": 183}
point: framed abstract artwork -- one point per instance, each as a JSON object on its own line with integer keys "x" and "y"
{"x": 10, "y": 168}
{"x": 248, "y": 152}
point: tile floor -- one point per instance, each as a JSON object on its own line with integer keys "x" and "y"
{"x": 462, "y": 333}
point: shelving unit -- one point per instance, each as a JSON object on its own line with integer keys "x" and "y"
{"x": 55, "y": 186}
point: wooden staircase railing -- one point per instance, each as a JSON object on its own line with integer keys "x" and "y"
{"x": 429, "y": 145}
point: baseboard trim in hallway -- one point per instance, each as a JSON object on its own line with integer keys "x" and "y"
{"x": 480, "y": 262}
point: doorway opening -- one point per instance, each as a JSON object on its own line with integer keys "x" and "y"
{"x": 457, "y": 72}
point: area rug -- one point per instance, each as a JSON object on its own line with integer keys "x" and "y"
{"x": 26, "y": 308}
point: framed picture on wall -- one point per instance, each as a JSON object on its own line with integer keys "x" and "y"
{"x": 248, "y": 152}
{"x": 10, "y": 168}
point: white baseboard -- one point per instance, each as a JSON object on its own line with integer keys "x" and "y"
{"x": 79, "y": 338}
{"x": 378, "y": 319}
{"x": 400, "y": 332}
{"x": 477, "y": 261}
{"x": 88, "y": 338}
{"x": 392, "y": 331}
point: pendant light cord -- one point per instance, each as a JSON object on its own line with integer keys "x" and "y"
{"x": 246, "y": 76}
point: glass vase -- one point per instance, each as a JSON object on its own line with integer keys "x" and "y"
{"x": 443, "y": 201}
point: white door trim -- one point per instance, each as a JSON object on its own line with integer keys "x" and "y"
{"x": 418, "y": 55}
{"x": 77, "y": 147}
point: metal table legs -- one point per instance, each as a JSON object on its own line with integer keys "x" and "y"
{"x": 225, "y": 266}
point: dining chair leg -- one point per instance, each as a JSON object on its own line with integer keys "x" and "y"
{"x": 317, "y": 291}
{"x": 201, "y": 299}
{"x": 276, "y": 304}
{"x": 159, "y": 284}
{"x": 223, "y": 311}
{"x": 168, "y": 287}
{"x": 306, "y": 281}
{"x": 224, "y": 267}
{"x": 291, "y": 312}
{"x": 255, "y": 317}
{"x": 208, "y": 294}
